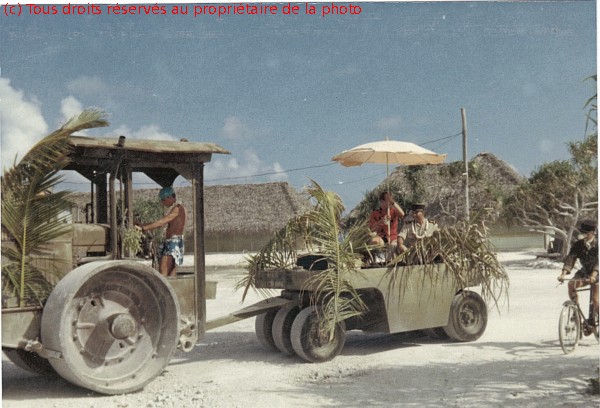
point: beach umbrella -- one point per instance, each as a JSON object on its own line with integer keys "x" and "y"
{"x": 388, "y": 152}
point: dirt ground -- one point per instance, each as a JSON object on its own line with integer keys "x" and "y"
{"x": 517, "y": 362}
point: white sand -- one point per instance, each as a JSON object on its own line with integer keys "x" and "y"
{"x": 517, "y": 362}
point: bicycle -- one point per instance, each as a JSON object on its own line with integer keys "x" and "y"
{"x": 573, "y": 324}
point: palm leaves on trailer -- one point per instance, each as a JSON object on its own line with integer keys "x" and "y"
{"x": 467, "y": 253}
{"x": 463, "y": 248}
{"x": 31, "y": 211}
{"x": 319, "y": 229}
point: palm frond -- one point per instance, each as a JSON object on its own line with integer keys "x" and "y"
{"x": 468, "y": 255}
{"x": 319, "y": 230}
{"x": 31, "y": 210}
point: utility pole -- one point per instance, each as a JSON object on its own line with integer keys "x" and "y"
{"x": 466, "y": 163}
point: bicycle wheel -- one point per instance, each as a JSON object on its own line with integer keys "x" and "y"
{"x": 569, "y": 327}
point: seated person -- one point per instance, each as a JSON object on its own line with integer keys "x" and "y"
{"x": 383, "y": 222}
{"x": 418, "y": 229}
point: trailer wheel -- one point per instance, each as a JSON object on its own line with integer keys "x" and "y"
{"x": 263, "y": 325}
{"x": 30, "y": 361}
{"x": 468, "y": 317}
{"x": 311, "y": 342}
{"x": 282, "y": 327}
{"x": 113, "y": 326}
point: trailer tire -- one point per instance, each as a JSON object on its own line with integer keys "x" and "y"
{"x": 30, "y": 361}
{"x": 468, "y": 317}
{"x": 111, "y": 326}
{"x": 263, "y": 325}
{"x": 312, "y": 345}
{"x": 282, "y": 327}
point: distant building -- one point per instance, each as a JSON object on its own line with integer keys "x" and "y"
{"x": 240, "y": 217}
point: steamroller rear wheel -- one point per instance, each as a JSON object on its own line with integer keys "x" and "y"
{"x": 111, "y": 327}
{"x": 30, "y": 361}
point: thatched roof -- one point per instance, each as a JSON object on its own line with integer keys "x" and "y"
{"x": 250, "y": 207}
{"x": 239, "y": 208}
{"x": 441, "y": 188}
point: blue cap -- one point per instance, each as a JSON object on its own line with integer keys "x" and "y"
{"x": 166, "y": 193}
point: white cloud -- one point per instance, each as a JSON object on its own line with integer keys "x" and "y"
{"x": 233, "y": 128}
{"x": 389, "y": 124}
{"x": 22, "y": 123}
{"x": 70, "y": 107}
{"x": 87, "y": 86}
{"x": 280, "y": 175}
{"x": 545, "y": 146}
{"x": 230, "y": 170}
{"x": 150, "y": 132}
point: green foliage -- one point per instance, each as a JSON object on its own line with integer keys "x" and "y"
{"x": 414, "y": 175}
{"x": 147, "y": 211}
{"x": 592, "y": 107}
{"x": 132, "y": 240}
{"x": 560, "y": 194}
{"x": 318, "y": 230}
{"x": 144, "y": 212}
{"x": 31, "y": 210}
{"x": 468, "y": 255}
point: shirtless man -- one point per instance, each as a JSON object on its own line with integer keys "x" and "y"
{"x": 171, "y": 250}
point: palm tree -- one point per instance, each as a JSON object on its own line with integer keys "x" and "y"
{"x": 31, "y": 210}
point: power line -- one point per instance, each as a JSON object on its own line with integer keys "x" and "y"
{"x": 272, "y": 173}
{"x": 447, "y": 139}
{"x": 440, "y": 139}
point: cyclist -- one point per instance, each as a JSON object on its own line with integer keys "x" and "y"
{"x": 586, "y": 250}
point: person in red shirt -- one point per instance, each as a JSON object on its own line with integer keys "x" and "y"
{"x": 383, "y": 222}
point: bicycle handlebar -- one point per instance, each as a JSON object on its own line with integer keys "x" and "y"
{"x": 586, "y": 281}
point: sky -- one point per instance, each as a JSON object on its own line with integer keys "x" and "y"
{"x": 285, "y": 93}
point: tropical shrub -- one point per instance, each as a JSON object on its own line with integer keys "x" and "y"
{"x": 31, "y": 210}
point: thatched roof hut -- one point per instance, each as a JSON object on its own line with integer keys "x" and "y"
{"x": 250, "y": 208}
{"x": 237, "y": 217}
{"x": 440, "y": 186}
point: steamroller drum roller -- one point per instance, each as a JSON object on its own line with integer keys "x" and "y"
{"x": 30, "y": 361}
{"x": 111, "y": 327}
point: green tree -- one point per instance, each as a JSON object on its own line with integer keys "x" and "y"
{"x": 561, "y": 193}
{"x": 31, "y": 209}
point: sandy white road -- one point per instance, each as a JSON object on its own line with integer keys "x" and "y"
{"x": 517, "y": 362}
